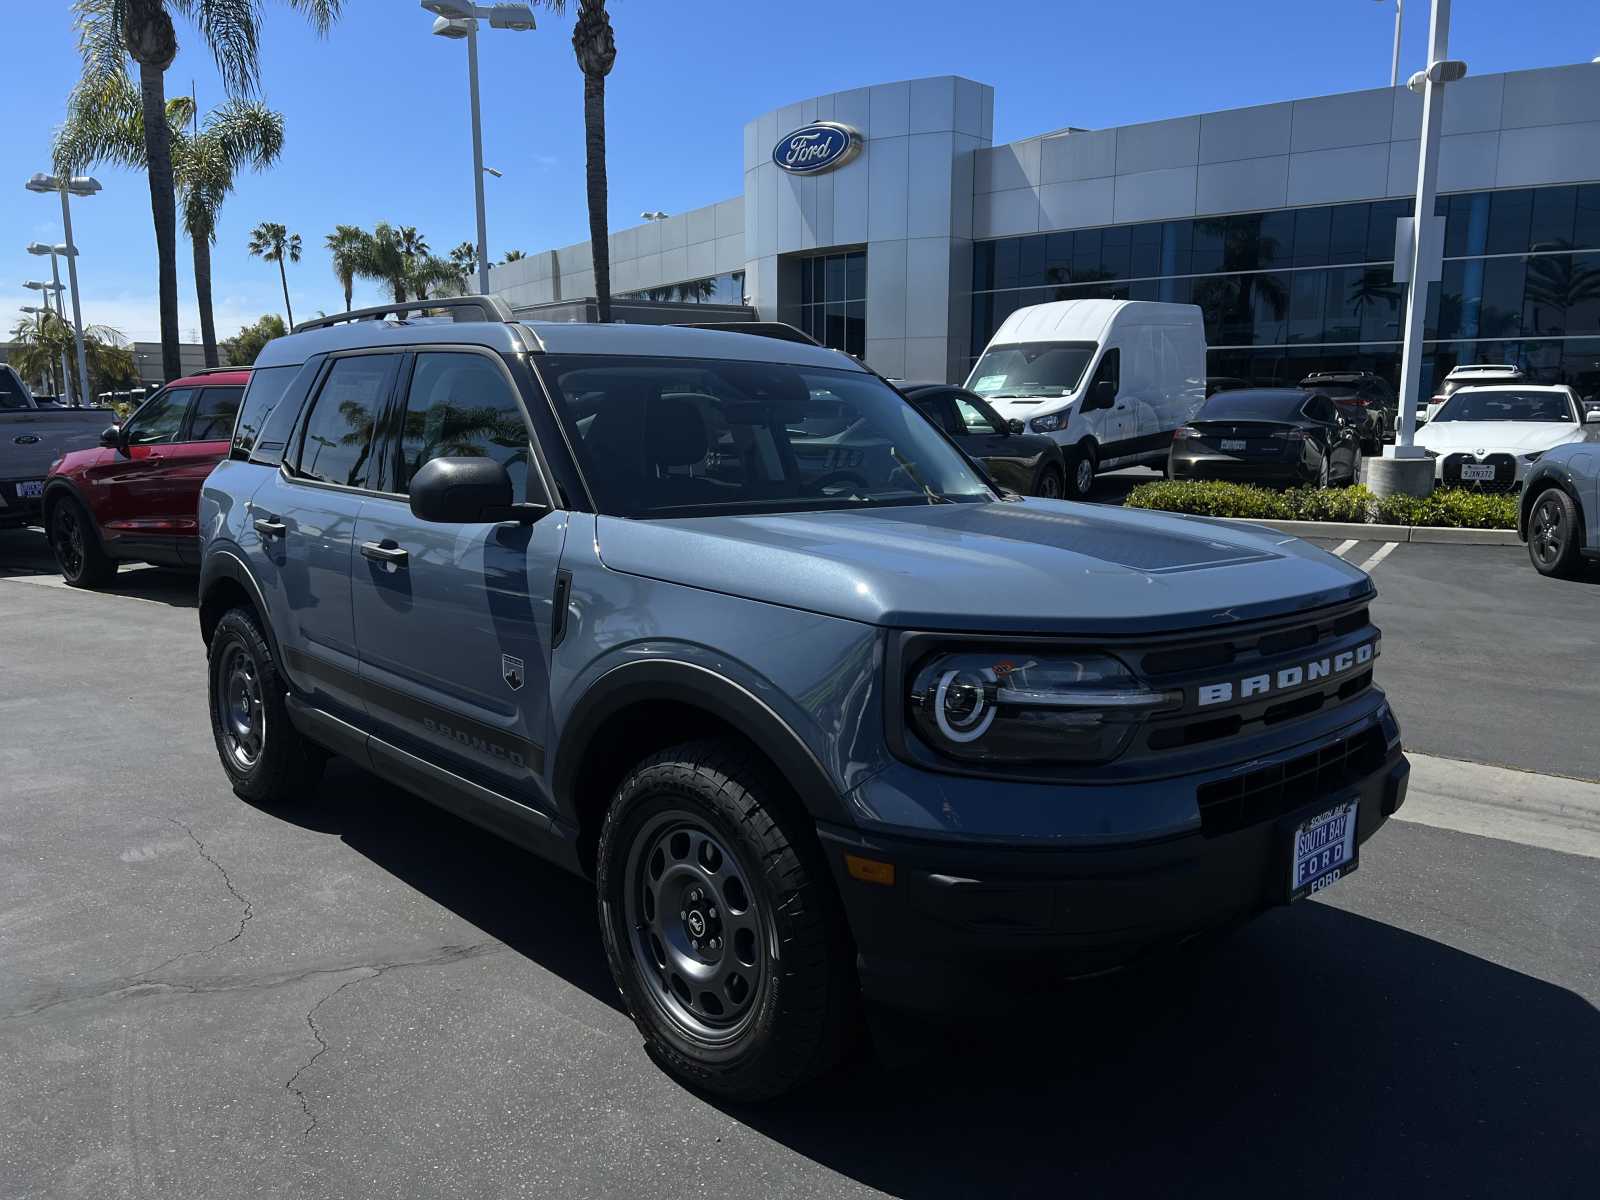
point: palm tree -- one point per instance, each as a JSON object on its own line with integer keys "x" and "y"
{"x": 347, "y": 244}
{"x": 465, "y": 258}
{"x": 380, "y": 257}
{"x": 514, "y": 255}
{"x": 39, "y": 342}
{"x": 105, "y": 123}
{"x": 1557, "y": 282}
{"x": 595, "y": 45}
{"x": 271, "y": 242}
{"x": 110, "y": 32}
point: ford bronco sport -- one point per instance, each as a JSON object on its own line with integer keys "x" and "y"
{"x": 723, "y": 623}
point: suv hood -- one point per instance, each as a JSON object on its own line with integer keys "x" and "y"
{"x": 1511, "y": 437}
{"x": 1036, "y": 565}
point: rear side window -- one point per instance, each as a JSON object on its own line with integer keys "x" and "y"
{"x": 214, "y": 414}
{"x": 1320, "y": 408}
{"x": 461, "y": 406}
{"x": 161, "y": 419}
{"x": 336, "y": 445}
{"x": 267, "y": 386}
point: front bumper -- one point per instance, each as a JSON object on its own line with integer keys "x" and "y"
{"x": 964, "y": 923}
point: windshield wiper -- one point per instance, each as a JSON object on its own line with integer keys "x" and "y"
{"x": 905, "y": 465}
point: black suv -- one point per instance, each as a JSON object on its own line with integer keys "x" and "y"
{"x": 1366, "y": 399}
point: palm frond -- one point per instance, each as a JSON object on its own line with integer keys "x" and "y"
{"x": 105, "y": 124}
{"x": 232, "y": 29}
{"x": 100, "y": 37}
{"x": 321, "y": 13}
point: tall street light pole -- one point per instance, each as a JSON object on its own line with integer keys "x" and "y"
{"x": 1412, "y": 471}
{"x": 77, "y": 185}
{"x": 457, "y": 20}
{"x": 39, "y": 248}
{"x": 1394, "y": 62}
{"x": 44, "y": 290}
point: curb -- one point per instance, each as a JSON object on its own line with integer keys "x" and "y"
{"x": 1385, "y": 533}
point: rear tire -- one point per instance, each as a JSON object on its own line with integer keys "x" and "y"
{"x": 268, "y": 760}
{"x": 1049, "y": 485}
{"x": 1081, "y": 465}
{"x": 1553, "y": 534}
{"x": 721, "y": 925}
{"x": 76, "y": 544}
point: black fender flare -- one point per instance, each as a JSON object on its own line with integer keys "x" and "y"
{"x": 688, "y": 683}
{"x": 1530, "y": 492}
{"x": 222, "y": 563}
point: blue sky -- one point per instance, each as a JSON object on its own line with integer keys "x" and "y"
{"x": 377, "y": 114}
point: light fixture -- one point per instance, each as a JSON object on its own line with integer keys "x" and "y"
{"x": 35, "y": 285}
{"x": 653, "y": 216}
{"x": 454, "y": 28}
{"x": 493, "y": 172}
{"x": 500, "y": 16}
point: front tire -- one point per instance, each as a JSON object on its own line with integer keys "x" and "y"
{"x": 76, "y": 544}
{"x": 1553, "y": 534}
{"x": 268, "y": 760}
{"x": 721, "y": 926}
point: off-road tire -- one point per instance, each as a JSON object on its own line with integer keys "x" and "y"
{"x": 803, "y": 1011}
{"x": 285, "y": 767}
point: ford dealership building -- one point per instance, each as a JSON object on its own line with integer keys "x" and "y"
{"x": 885, "y": 222}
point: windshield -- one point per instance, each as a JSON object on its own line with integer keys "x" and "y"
{"x": 1030, "y": 369}
{"x": 1483, "y": 404}
{"x": 1252, "y": 406}
{"x": 12, "y": 396}
{"x": 659, "y": 437}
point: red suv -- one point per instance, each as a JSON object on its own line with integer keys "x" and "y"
{"x": 136, "y": 497}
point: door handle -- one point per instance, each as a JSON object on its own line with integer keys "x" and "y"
{"x": 270, "y": 527}
{"x": 378, "y": 552}
{"x": 1122, "y": 408}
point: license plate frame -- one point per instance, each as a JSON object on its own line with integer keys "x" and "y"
{"x": 1477, "y": 472}
{"x": 29, "y": 489}
{"x": 1234, "y": 444}
{"x": 1322, "y": 845}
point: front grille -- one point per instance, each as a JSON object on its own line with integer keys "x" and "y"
{"x": 1182, "y": 666}
{"x": 1505, "y": 472}
{"x": 1227, "y": 805}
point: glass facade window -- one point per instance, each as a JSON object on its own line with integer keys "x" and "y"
{"x": 1295, "y": 290}
{"x": 833, "y": 300}
{"x": 713, "y": 289}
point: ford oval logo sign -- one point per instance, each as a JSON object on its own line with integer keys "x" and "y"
{"x": 820, "y": 146}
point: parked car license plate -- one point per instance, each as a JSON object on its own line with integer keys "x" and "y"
{"x": 1234, "y": 443}
{"x": 1323, "y": 850}
{"x": 1482, "y": 471}
{"x": 30, "y": 489}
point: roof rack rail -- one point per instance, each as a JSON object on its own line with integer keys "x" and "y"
{"x": 219, "y": 370}
{"x": 461, "y": 308}
{"x": 780, "y": 330}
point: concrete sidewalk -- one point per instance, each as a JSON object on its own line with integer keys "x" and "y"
{"x": 1548, "y": 811}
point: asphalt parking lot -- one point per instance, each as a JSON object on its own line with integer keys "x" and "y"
{"x": 364, "y": 997}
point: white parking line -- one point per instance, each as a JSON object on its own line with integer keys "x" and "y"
{"x": 1382, "y": 553}
{"x": 1515, "y": 806}
{"x": 1343, "y": 547}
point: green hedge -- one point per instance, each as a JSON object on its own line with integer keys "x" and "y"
{"x": 1455, "y": 508}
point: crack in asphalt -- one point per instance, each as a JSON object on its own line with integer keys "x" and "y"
{"x": 142, "y": 985}
{"x": 450, "y": 954}
{"x": 227, "y": 882}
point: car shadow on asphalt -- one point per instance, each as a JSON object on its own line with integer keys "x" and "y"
{"x": 25, "y": 554}
{"x": 1315, "y": 1052}
{"x": 533, "y": 906}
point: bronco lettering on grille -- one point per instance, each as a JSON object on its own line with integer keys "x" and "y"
{"x": 1285, "y": 678}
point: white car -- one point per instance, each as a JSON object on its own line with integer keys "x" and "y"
{"x": 1491, "y": 434}
{"x": 1470, "y": 375}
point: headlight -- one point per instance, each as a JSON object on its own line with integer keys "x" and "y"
{"x": 1029, "y": 708}
{"x": 1050, "y": 422}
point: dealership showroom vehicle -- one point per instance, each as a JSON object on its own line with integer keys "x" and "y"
{"x": 1281, "y": 436}
{"x": 817, "y": 710}
{"x": 136, "y": 496}
{"x": 1109, "y": 380}
{"x": 1559, "y": 513}
{"x": 1365, "y": 399}
{"x": 1028, "y": 463}
{"x": 32, "y": 436}
{"x": 1489, "y": 436}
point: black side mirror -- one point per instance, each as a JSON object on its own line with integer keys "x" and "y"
{"x": 1104, "y": 394}
{"x": 462, "y": 491}
{"x": 111, "y": 437}
{"x": 1016, "y": 426}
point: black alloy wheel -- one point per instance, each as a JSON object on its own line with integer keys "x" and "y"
{"x": 78, "y": 554}
{"x": 1553, "y": 534}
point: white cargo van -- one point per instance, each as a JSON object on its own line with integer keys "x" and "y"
{"x": 1108, "y": 379}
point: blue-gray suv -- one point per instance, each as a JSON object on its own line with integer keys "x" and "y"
{"x": 725, "y": 624}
